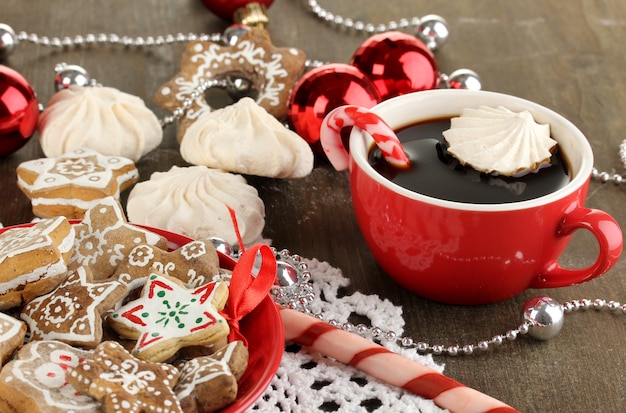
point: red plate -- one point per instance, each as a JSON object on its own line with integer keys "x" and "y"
{"x": 262, "y": 328}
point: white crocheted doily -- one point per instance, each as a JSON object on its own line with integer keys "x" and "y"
{"x": 309, "y": 382}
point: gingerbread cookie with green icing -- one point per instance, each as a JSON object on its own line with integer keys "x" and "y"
{"x": 36, "y": 380}
{"x": 72, "y": 313}
{"x": 169, "y": 316}
{"x": 125, "y": 384}
{"x": 195, "y": 263}
{"x": 104, "y": 238}
{"x": 209, "y": 383}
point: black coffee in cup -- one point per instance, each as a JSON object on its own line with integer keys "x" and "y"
{"x": 436, "y": 173}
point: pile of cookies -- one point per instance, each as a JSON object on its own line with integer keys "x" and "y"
{"x": 100, "y": 316}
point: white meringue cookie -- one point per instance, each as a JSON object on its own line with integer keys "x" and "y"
{"x": 500, "y": 141}
{"x": 244, "y": 138}
{"x": 192, "y": 201}
{"x": 104, "y": 119}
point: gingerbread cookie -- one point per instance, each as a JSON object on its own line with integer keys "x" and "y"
{"x": 168, "y": 316}
{"x": 36, "y": 381}
{"x": 33, "y": 260}
{"x": 209, "y": 383}
{"x": 273, "y": 72}
{"x": 104, "y": 238}
{"x": 12, "y": 333}
{"x": 124, "y": 384}
{"x": 195, "y": 263}
{"x": 72, "y": 313}
{"x": 71, "y": 183}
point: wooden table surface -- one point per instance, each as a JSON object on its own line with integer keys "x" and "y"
{"x": 569, "y": 56}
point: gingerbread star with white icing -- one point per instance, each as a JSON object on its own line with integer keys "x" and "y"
{"x": 73, "y": 312}
{"x": 273, "y": 71}
{"x": 195, "y": 263}
{"x": 69, "y": 184}
{"x": 168, "y": 316}
{"x": 124, "y": 384}
{"x": 104, "y": 239}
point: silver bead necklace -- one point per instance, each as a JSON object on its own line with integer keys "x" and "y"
{"x": 542, "y": 316}
{"x": 612, "y": 177}
{"x": 431, "y": 29}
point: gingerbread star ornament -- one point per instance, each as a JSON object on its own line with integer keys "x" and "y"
{"x": 272, "y": 71}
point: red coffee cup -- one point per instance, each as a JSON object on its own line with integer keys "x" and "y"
{"x": 464, "y": 253}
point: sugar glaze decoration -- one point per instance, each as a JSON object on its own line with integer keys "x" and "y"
{"x": 273, "y": 71}
{"x": 499, "y": 141}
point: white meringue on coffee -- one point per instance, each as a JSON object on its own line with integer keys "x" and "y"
{"x": 103, "y": 119}
{"x": 244, "y": 138}
{"x": 193, "y": 201}
{"x": 499, "y": 141}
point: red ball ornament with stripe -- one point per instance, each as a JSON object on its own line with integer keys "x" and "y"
{"x": 397, "y": 63}
{"x": 19, "y": 110}
{"x": 323, "y": 89}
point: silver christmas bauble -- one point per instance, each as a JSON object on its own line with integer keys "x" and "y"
{"x": 221, "y": 246}
{"x": 8, "y": 40}
{"x": 233, "y": 33}
{"x": 464, "y": 79}
{"x": 239, "y": 87}
{"x": 544, "y": 317}
{"x": 70, "y": 75}
{"x": 286, "y": 274}
{"x": 433, "y": 31}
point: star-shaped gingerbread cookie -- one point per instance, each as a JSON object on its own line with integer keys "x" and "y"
{"x": 273, "y": 71}
{"x": 73, "y": 312}
{"x": 104, "y": 238}
{"x": 195, "y": 263}
{"x": 209, "y": 383}
{"x": 73, "y": 182}
{"x": 34, "y": 260}
{"x": 124, "y": 384}
{"x": 12, "y": 333}
{"x": 168, "y": 316}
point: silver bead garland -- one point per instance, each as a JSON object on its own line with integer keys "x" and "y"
{"x": 542, "y": 316}
{"x": 431, "y": 29}
{"x": 616, "y": 178}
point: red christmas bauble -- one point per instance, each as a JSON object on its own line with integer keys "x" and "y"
{"x": 19, "y": 110}
{"x": 226, "y": 8}
{"x": 323, "y": 89}
{"x": 397, "y": 63}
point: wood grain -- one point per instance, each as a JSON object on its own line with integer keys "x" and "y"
{"x": 569, "y": 56}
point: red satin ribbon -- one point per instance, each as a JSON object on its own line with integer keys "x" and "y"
{"x": 246, "y": 290}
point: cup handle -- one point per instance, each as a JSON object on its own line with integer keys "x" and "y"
{"x": 609, "y": 236}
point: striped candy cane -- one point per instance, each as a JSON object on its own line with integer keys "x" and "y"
{"x": 351, "y": 115}
{"x": 386, "y": 365}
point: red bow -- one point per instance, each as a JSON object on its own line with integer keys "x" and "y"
{"x": 246, "y": 290}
